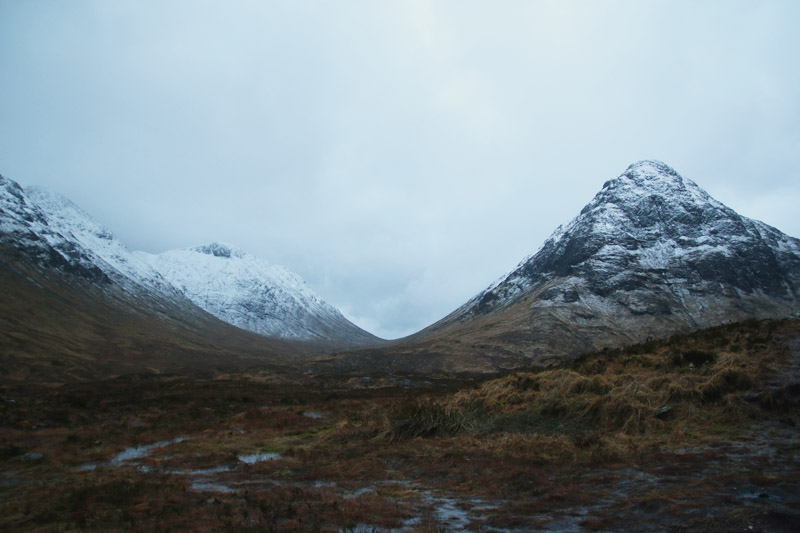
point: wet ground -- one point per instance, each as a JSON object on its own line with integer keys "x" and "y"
{"x": 752, "y": 484}
{"x": 239, "y": 455}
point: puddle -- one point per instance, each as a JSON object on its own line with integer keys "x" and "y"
{"x": 366, "y": 528}
{"x": 359, "y": 492}
{"x": 452, "y": 513}
{"x": 254, "y": 458}
{"x": 313, "y": 414}
{"x": 140, "y": 452}
{"x": 449, "y": 513}
{"x": 208, "y": 486}
{"x": 132, "y": 453}
{"x": 564, "y": 525}
{"x": 205, "y": 471}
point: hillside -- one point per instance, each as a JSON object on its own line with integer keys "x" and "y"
{"x": 650, "y": 256}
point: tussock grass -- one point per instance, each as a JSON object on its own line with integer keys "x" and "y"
{"x": 661, "y": 390}
{"x": 427, "y": 417}
{"x": 538, "y": 445}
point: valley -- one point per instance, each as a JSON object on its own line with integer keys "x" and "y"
{"x": 400, "y": 266}
{"x": 694, "y": 432}
{"x": 639, "y": 372}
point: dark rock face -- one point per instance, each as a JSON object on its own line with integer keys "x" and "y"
{"x": 218, "y": 250}
{"x": 652, "y": 229}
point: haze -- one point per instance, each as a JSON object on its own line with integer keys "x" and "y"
{"x": 399, "y": 155}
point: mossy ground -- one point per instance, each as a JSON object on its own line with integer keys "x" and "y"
{"x": 694, "y": 432}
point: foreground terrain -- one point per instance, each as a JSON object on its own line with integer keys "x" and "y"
{"x": 693, "y": 432}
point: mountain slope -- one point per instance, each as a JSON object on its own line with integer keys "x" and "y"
{"x": 26, "y": 232}
{"x": 77, "y": 305}
{"x": 651, "y": 229}
{"x": 255, "y": 295}
{"x": 651, "y": 255}
{"x": 235, "y": 287}
{"x": 75, "y": 225}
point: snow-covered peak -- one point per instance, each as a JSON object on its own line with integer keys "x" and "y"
{"x": 64, "y": 215}
{"x": 17, "y": 211}
{"x": 650, "y": 219}
{"x": 650, "y": 168}
{"x": 235, "y": 286}
{"x": 221, "y": 265}
{"x": 9, "y": 188}
{"x": 218, "y": 249}
{"x": 41, "y": 218}
{"x": 253, "y": 294}
{"x": 648, "y": 179}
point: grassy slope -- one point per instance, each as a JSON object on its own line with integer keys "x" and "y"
{"x": 586, "y": 445}
{"x": 56, "y": 328}
{"x": 656, "y": 388}
{"x": 528, "y": 334}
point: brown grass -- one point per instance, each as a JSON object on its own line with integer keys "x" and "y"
{"x": 660, "y": 391}
{"x": 538, "y": 445}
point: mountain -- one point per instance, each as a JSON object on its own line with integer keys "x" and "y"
{"x": 255, "y": 295}
{"x": 77, "y": 304}
{"x": 651, "y": 255}
{"x": 228, "y": 283}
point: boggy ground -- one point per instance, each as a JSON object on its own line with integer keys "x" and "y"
{"x": 691, "y": 433}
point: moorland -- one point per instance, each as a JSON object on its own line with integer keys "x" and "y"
{"x": 693, "y": 432}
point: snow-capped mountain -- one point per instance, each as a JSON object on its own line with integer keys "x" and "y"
{"x": 651, "y": 228}
{"x": 76, "y": 304}
{"x": 233, "y": 286}
{"x": 652, "y": 254}
{"x": 253, "y": 294}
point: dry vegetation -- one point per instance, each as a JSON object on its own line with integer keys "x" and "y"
{"x": 692, "y": 432}
{"x": 633, "y": 396}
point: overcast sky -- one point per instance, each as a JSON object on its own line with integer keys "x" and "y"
{"x": 398, "y": 155}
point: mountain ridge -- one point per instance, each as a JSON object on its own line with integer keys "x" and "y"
{"x": 69, "y": 220}
{"x": 279, "y": 303}
{"x": 78, "y": 303}
{"x": 641, "y": 191}
{"x": 254, "y": 294}
{"x": 652, "y": 254}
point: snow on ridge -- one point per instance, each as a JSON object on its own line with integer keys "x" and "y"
{"x": 248, "y": 292}
{"x": 72, "y": 223}
{"x": 655, "y": 178}
{"x": 649, "y": 216}
{"x": 231, "y": 284}
{"x": 216, "y": 257}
